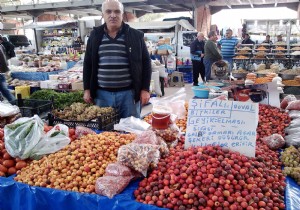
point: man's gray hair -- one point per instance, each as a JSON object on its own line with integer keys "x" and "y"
{"x": 106, "y": 1}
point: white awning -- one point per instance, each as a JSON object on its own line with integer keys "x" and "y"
{"x": 161, "y": 25}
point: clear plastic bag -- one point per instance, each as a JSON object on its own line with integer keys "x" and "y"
{"x": 117, "y": 169}
{"x": 292, "y": 140}
{"x": 6, "y": 109}
{"x": 293, "y": 105}
{"x": 111, "y": 185}
{"x": 295, "y": 130}
{"x": 132, "y": 125}
{"x": 149, "y": 137}
{"x": 54, "y": 140}
{"x": 274, "y": 142}
{"x": 171, "y": 134}
{"x": 285, "y": 101}
{"x": 295, "y": 123}
{"x": 139, "y": 156}
{"x": 294, "y": 114}
{"x": 23, "y": 135}
{"x": 82, "y": 131}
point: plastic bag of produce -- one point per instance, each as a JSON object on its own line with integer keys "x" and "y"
{"x": 171, "y": 134}
{"x": 149, "y": 137}
{"x": 82, "y": 131}
{"x": 292, "y": 140}
{"x": 286, "y": 100}
{"x": 23, "y": 135}
{"x": 294, "y": 130}
{"x": 111, "y": 185}
{"x": 293, "y": 105}
{"x": 139, "y": 157}
{"x": 54, "y": 140}
{"x": 6, "y": 109}
{"x": 294, "y": 114}
{"x": 295, "y": 123}
{"x": 132, "y": 125}
{"x": 274, "y": 142}
{"x": 117, "y": 169}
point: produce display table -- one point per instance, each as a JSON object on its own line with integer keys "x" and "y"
{"x": 19, "y": 196}
{"x": 35, "y": 76}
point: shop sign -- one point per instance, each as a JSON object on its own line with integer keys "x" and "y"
{"x": 230, "y": 124}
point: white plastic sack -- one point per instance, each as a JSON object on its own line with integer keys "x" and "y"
{"x": 155, "y": 78}
{"x": 54, "y": 140}
{"x": 6, "y": 109}
{"x": 22, "y": 135}
{"x": 132, "y": 125}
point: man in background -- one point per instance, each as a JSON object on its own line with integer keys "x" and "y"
{"x": 212, "y": 54}
{"x": 268, "y": 40}
{"x": 117, "y": 66}
{"x": 227, "y": 46}
{"x": 247, "y": 40}
{"x": 197, "y": 54}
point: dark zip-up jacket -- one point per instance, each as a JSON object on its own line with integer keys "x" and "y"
{"x": 196, "y": 49}
{"x": 138, "y": 56}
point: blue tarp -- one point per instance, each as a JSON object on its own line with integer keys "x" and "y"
{"x": 35, "y": 76}
{"x": 19, "y": 196}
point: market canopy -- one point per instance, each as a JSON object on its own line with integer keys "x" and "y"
{"x": 161, "y": 25}
{"x": 49, "y": 24}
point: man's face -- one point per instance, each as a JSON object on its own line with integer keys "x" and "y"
{"x": 200, "y": 37}
{"x": 113, "y": 15}
{"x": 246, "y": 37}
{"x": 228, "y": 34}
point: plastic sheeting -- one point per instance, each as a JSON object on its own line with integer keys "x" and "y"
{"x": 292, "y": 194}
{"x": 19, "y": 196}
{"x": 35, "y": 76}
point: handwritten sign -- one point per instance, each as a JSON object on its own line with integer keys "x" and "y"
{"x": 230, "y": 124}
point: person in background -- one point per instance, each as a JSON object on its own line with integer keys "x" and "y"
{"x": 117, "y": 66}
{"x": 247, "y": 40}
{"x": 197, "y": 54}
{"x": 3, "y": 69}
{"x": 212, "y": 53}
{"x": 9, "y": 47}
{"x": 279, "y": 38}
{"x": 227, "y": 46}
{"x": 268, "y": 40}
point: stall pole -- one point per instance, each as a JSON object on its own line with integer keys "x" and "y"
{"x": 35, "y": 38}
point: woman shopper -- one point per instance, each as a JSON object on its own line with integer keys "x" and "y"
{"x": 212, "y": 54}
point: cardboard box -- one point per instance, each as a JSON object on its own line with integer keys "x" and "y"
{"x": 164, "y": 52}
{"x": 53, "y": 77}
{"x": 77, "y": 86}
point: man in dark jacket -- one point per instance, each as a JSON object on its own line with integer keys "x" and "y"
{"x": 247, "y": 40}
{"x": 9, "y": 47}
{"x": 117, "y": 66}
{"x": 197, "y": 54}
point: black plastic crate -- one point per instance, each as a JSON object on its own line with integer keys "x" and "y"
{"x": 30, "y": 107}
{"x": 101, "y": 123}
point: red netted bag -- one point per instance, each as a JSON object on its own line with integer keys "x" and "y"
{"x": 111, "y": 185}
{"x": 117, "y": 169}
{"x": 82, "y": 131}
{"x": 293, "y": 105}
{"x": 274, "y": 142}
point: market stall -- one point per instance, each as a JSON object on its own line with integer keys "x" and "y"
{"x": 177, "y": 176}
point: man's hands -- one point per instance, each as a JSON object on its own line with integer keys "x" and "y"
{"x": 87, "y": 97}
{"x": 144, "y": 97}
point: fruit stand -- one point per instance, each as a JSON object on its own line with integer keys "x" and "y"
{"x": 208, "y": 177}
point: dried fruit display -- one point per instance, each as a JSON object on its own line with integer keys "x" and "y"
{"x": 77, "y": 166}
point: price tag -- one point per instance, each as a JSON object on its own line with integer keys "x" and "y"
{"x": 230, "y": 124}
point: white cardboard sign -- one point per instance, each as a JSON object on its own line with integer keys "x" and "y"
{"x": 230, "y": 124}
